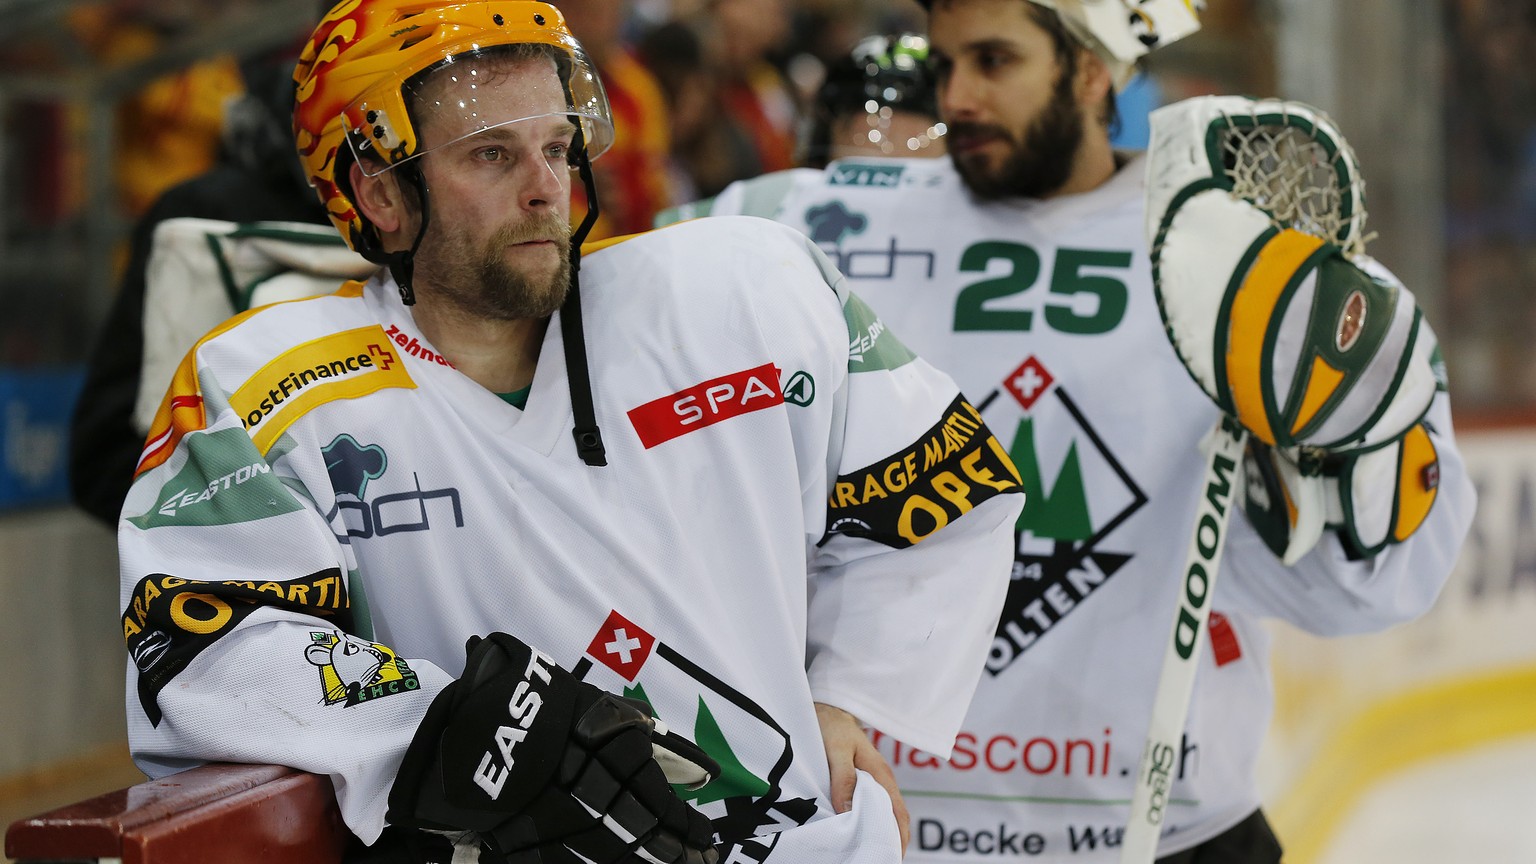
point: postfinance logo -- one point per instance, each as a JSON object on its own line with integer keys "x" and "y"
{"x": 1062, "y": 556}
{"x": 339, "y": 366}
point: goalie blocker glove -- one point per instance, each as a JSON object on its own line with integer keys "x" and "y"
{"x": 1372, "y": 499}
{"x": 1256, "y": 214}
{"x": 542, "y": 766}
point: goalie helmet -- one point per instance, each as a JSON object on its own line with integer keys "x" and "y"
{"x": 357, "y": 75}
{"x": 1121, "y": 32}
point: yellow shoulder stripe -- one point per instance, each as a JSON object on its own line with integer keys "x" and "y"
{"x": 600, "y": 245}
{"x": 181, "y": 411}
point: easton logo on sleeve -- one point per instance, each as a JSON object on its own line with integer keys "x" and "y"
{"x": 955, "y": 466}
{"x": 871, "y": 346}
{"x": 222, "y": 482}
{"x": 707, "y": 403}
{"x": 339, "y": 366}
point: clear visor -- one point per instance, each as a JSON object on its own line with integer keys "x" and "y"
{"x": 474, "y": 91}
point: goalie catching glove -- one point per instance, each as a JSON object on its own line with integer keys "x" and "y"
{"x": 1256, "y": 214}
{"x": 541, "y": 765}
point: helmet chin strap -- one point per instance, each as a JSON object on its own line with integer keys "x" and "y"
{"x": 402, "y": 265}
{"x": 589, "y": 439}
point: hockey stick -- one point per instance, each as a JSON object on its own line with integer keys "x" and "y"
{"x": 1223, "y": 448}
{"x": 1288, "y": 161}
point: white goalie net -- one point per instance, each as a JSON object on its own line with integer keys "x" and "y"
{"x": 1296, "y": 168}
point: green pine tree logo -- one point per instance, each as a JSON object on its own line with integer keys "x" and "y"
{"x": 735, "y": 779}
{"x": 1062, "y": 513}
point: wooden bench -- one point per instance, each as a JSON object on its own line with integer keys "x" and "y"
{"x": 227, "y": 813}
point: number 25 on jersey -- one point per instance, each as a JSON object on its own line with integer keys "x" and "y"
{"x": 1084, "y": 299}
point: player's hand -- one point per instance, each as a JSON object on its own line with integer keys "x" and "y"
{"x": 543, "y": 766}
{"x": 849, "y": 750}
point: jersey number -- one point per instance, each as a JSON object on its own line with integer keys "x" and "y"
{"x": 1067, "y": 278}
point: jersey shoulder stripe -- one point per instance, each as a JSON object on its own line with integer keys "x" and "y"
{"x": 183, "y": 408}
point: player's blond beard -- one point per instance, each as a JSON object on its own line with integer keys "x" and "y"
{"x": 483, "y": 284}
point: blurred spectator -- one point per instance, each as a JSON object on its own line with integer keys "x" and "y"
{"x": 708, "y": 153}
{"x": 257, "y": 177}
{"x": 169, "y": 131}
{"x": 878, "y": 100}
{"x": 820, "y": 35}
{"x": 1490, "y": 177}
{"x": 632, "y": 178}
{"x": 753, "y": 91}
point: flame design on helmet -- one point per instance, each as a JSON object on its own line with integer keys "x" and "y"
{"x": 371, "y": 48}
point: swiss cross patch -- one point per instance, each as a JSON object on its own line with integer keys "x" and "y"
{"x": 1029, "y": 382}
{"x": 386, "y": 357}
{"x": 706, "y": 404}
{"x": 621, "y": 645}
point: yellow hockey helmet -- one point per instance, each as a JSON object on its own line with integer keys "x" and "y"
{"x": 357, "y": 75}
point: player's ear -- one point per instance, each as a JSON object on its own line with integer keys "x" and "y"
{"x": 1094, "y": 80}
{"x": 379, "y": 199}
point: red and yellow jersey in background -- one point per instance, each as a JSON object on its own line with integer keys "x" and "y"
{"x": 632, "y": 179}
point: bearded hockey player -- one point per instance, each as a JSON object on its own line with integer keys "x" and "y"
{"x": 493, "y": 550}
{"x": 1021, "y": 266}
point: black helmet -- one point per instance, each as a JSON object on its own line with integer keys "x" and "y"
{"x": 885, "y": 72}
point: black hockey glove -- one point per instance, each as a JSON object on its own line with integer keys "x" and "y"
{"x": 542, "y": 765}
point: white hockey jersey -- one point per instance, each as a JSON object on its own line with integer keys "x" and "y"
{"x": 795, "y": 509}
{"x": 1044, "y": 312}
